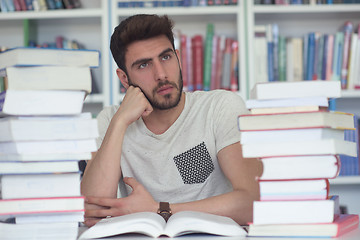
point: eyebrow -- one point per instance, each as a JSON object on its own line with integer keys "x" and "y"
{"x": 143, "y": 60}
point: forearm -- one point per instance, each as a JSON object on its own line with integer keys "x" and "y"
{"x": 237, "y": 205}
{"x": 103, "y": 171}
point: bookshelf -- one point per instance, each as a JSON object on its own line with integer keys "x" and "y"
{"x": 298, "y": 20}
{"x": 87, "y": 25}
{"x": 227, "y": 20}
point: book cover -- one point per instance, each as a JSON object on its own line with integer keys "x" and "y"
{"x": 296, "y": 212}
{"x": 15, "y": 186}
{"x": 13, "y": 207}
{"x": 41, "y": 102}
{"x": 298, "y": 167}
{"x": 296, "y": 120}
{"x": 280, "y": 90}
{"x": 290, "y": 190}
{"x": 12, "y": 167}
{"x": 48, "y": 78}
{"x": 48, "y": 147}
{"x": 310, "y": 147}
{"x": 31, "y": 56}
{"x": 342, "y": 224}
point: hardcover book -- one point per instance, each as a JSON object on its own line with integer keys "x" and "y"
{"x": 342, "y": 224}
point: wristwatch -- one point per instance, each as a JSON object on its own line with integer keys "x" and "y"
{"x": 164, "y": 210}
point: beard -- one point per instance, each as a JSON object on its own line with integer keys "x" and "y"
{"x": 166, "y": 101}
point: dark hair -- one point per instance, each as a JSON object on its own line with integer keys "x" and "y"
{"x": 135, "y": 28}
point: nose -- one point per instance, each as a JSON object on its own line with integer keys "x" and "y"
{"x": 159, "y": 71}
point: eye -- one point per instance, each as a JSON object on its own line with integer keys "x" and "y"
{"x": 143, "y": 65}
{"x": 166, "y": 57}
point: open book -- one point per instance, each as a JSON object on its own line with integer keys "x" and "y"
{"x": 153, "y": 225}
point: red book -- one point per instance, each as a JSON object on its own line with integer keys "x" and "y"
{"x": 198, "y": 61}
{"x": 344, "y": 223}
{"x": 183, "y": 59}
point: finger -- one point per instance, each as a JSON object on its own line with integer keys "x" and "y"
{"x": 91, "y": 221}
{"x": 97, "y": 213}
{"x": 132, "y": 182}
{"x": 100, "y": 201}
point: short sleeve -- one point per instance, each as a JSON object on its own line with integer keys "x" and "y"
{"x": 229, "y": 106}
{"x": 103, "y": 120}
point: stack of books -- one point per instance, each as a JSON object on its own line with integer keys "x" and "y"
{"x": 44, "y": 135}
{"x": 298, "y": 140}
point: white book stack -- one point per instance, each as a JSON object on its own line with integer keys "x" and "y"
{"x": 44, "y": 135}
{"x": 298, "y": 140}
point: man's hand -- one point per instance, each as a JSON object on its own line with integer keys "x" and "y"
{"x": 134, "y": 105}
{"x": 139, "y": 200}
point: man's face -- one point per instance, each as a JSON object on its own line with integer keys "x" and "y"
{"x": 153, "y": 67}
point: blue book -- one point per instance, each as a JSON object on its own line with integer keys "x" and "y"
{"x": 324, "y": 56}
{"x": 310, "y": 56}
{"x": 270, "y": 52}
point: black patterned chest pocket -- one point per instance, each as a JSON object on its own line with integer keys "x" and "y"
{"x": 194, "y": 165}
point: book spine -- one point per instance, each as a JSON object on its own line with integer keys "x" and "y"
{"x": 270, "y": 53}
{"x": 197, "y": 45}
{"x": 208, "y": 57}
{"x": 183, "y": 57}
{"x": 348, "y": 29}
{"x": 310, "y": 56}
{"x": 226, "y": 70}
{"x": 234, "y": 86}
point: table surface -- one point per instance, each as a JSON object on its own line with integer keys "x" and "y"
{"x": 353, "y": 235}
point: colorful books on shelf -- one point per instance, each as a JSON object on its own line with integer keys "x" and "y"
{"x": 209, "y": 62}
{"x": 315, "y": 56}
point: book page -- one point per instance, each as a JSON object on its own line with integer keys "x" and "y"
{"x": 187, "y": 222}
{"x": 147, "y": 223}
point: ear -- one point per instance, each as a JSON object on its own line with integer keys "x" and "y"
{"x": 122, "y": 77}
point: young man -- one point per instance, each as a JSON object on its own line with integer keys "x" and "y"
{"x": 164, "y": 145}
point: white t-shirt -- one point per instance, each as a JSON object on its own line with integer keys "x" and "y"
{"x": 181, "y": 164}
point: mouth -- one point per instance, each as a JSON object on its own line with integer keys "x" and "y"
{"x": 166, "y": 89}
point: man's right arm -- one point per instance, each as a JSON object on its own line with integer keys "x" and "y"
{"x": 103, "y": 171}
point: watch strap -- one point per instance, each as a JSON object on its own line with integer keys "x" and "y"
{"x": 164, "y": 210}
